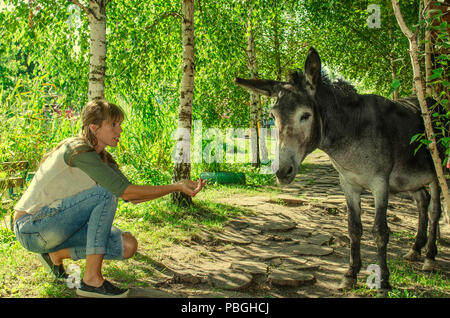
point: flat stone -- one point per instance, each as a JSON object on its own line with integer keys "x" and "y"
{"x": 250, "y": 267}
{"x": 278, "y": 238}
{"x": 290, "y": 278}
{"x": 294, "y": 261}
{"x": 230, "y": 280}
{"x": 311, "y": 249}
{"x": 188, "y": 277}
{"x": 237, "y": 224}
{"x": 299, "y": 267}
{"x": 250, "y": 231}
{"x": 302, "y": 232}
{"x": 270, "y": 256}
{"x": 279, "y": 226}
{"x": 232, "y": 237}
{"x": 289, "y": 201}
{"x": 321, "y": 239}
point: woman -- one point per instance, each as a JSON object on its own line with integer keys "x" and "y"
{"x": 69, "y": 207}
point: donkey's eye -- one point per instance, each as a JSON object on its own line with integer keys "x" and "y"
{"x": 305, "y": 116}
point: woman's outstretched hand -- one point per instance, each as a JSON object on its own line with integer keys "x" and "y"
{"x": 190, "y": 187}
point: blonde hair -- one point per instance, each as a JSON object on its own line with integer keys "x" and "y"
{"x": 95, "y": 112}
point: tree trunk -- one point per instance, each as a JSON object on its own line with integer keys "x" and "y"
{"x": 30, "y": 13}
{"x": 276, "y": 40}
{"x": 394, "y": 76}
{"x": 257, "y": 144}
{"x": 96, "y": 14}
{"x": 97, "y": 63}
{"x": 423, "y": 105}
{"x": 392, "y": 60}
{"x": 182, "y": 168}
{"x": 428, "y": 63}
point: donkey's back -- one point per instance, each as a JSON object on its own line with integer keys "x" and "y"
{"x": 378, "y": 145}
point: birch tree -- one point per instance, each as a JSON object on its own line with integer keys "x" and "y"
{"x": 96, "y": 13}
{"x": 255, "y": 99}
{"x": 182, "y": 166}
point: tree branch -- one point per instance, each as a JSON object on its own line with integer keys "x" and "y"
{"x": 401, "y": 22}
{"x": 82, "y": 7}
{"x": 163, "y": 16}
{"x": 423, "y": 105}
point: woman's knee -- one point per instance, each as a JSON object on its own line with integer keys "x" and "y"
{"x": 108, "y": 195}
{"x": 130, "y": 245}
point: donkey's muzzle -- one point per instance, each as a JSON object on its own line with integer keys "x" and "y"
{"x": 286, "y": 174}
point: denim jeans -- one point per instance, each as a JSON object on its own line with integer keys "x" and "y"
{"x": 81, "y": 223}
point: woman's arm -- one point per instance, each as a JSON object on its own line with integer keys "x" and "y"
{"x": 137, "y": 193}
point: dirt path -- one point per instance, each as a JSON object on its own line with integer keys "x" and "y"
{"x": 290, "y": 245}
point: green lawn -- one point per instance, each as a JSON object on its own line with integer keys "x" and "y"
{"x": 158, "y": 224}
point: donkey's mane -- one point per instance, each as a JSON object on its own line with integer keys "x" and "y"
{"x": 339, "y": 86}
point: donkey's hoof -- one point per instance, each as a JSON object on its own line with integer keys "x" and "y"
{"x": 347, "y": 283}
{"x": 412, "y": 256}
{"x": 429, "y": 265}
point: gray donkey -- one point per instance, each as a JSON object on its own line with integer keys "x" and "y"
{"x": 367, "y": 138}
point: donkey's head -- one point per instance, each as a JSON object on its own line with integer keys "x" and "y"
{"x": 295, "y": 114}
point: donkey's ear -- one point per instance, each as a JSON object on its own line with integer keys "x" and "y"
{"x": 264, "y": 87}
{"x": 312, "y": 70}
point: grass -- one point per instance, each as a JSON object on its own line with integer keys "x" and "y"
{"x": 156, "y": 224}
{"x": 407, "y": 278}
{"x": 409, "y": 281}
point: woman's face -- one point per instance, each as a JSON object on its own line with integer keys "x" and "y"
{"x": 108, "y": 134}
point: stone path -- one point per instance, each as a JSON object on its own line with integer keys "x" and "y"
{"x": 289, "y": 245}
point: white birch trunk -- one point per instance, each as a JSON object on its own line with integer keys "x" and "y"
{"x": 258, "y": 144}
{"x": 97, "y": 63}
{"x": 428, "y": 51}
{"x": 182, "y": 168}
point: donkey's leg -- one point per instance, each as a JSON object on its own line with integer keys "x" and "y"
{"x": 380, "y": 231}
{"x": 422, "y": 199}
{"x": 435, "y": 214}
{"x": 353, "y": 198}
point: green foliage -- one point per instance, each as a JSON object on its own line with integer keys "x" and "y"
{"x": 365, "y": 55}
{"x": 48, "y": 63}
{"x": 6, "y": 236}
{"x": 438, "y": 81}
{"x": 30, "y": 127}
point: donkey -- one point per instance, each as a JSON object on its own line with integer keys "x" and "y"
{"x": 367, "y": 138}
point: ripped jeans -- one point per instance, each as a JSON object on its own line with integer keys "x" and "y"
{"x": 82, "y": 223}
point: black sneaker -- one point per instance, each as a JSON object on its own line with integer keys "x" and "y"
{"x": 57, "y": 271}
{"x": 106, "y": 290}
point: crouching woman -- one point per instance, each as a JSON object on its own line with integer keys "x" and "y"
{"x": 69, "y": 207}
